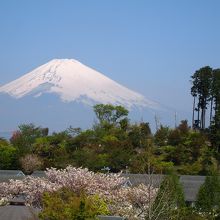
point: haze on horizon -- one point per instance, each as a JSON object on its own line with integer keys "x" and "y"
{"x": 152, "y": 47}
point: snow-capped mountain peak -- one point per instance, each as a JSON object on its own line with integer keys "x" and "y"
{"x": 73, "y": 81}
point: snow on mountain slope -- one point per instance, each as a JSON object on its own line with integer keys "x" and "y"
{"x": 73, "y": 81}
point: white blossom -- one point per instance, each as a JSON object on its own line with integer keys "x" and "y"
{"x": 130, "y": 202}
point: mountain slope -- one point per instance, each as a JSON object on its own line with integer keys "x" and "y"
{"x": 73, "y": 81}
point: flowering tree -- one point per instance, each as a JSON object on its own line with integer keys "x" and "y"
{"x": 125, "y": 201}
{"x": 30, "y": 163}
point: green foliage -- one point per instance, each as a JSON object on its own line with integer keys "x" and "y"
{"x": 184, "y": 127}
{"x": 52, "y": 150}
{"x": 91, "y": 159}
{"x": 146, "y": 161}
{"x": 120, "y": 146}
{"x": 186, "y": 213}
{"x": 208, "y": 161}
{"x": 190, "y": 151}
{"x": 201, "y": 88}
{"x": 66, "y": 205}
{"x": 25, "y": 137}
{"x": 195, "y": 142}
{"x": 161, "y": 136}
{"x": 110, "y": 114}
{"x": 119, "y": 155}
{"x": 175, "y": 137}
{"x": 190, "y": 168}
{"x": 208, "y": 199}
{"x": 140, "y": 135}
{"x": 170, "y": 198}
{"x": 8, "y": 156}
{"x": 116, "y": 143}
{"x": 215, "y": 123}
{"x": 206, "y": 91}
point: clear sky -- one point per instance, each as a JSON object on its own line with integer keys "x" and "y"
{"x": 151, "y": 47}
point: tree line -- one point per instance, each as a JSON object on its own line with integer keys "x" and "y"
{"x": 112, "y": 144}
{"x": 206, "y": 93}
{"x": 206, "y": 96}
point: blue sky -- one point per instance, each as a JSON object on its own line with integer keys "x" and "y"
{"x": 149, "y": 46}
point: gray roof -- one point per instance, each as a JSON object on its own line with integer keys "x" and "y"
{"x": 38, "y": 173}
{"x": 11, "y": 173}
{"x": 191, "y": 185}
{"x": 13, "y": 212}
{"x": 6, "y": 175}
{"x": 137, "y": 179}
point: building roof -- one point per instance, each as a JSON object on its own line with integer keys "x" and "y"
{"x": 6, "y": 175}
{"x": 11, "y": 173}
{"x": 14, "y": 212}
{"x": 137, "y": 179}
{"x": 38, "y": 173}
{"x": 191, "y": 185}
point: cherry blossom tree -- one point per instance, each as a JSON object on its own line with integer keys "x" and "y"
{"x": 130, "y": 202}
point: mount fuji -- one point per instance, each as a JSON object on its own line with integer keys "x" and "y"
{"x": 74, "y": 81}
{"x": 62, "y": 92}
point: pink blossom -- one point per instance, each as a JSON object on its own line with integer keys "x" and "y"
{"x": 124, "y": 201}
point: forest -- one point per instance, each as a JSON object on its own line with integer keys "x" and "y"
{"x": 114, "y": 144}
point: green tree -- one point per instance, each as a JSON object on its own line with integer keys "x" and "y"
{"x": 184, "y": 128}
{"x": 215, "y": 104}
{"x": 110, "y": 114}
{"x": 178, "y": 135}
{"x": 66, "y": 205}
{"x": 161, "y": 136}
{"x": 148, "y": 162}
{"x": 119, "y": 154}
{"x": 169, "y": 200}
{"x": 175, "y": 137}
{"x": 25, "y": 137}
{"x": 140, "y": 135}
{"x": 8, "y": 156}
{"x": 52, "y": 150}
{"x": 201, "y": 89}
{"x": 208, "y": 199}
